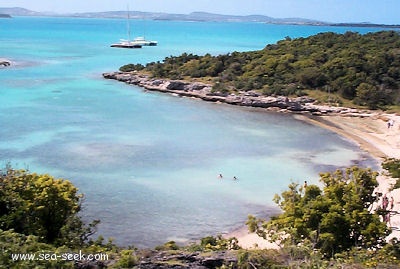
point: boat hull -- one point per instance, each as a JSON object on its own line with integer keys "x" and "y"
{"x": 126, "y": 46}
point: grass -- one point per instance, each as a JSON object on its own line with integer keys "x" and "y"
{"x": 394, "y": 109}
{"x": 335, "y": 99}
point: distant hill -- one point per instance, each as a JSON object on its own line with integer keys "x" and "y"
{"x": 5, "y": 16}
{"x": 18, "y": 11}
{"x": 194, "y": 16}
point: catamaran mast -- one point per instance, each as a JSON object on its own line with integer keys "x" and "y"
{"x": 128, "y": 25}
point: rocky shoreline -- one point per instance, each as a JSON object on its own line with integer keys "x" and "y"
{"x": 249, "y": 98}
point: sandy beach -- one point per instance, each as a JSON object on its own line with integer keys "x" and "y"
{"x": 370, "y": 131}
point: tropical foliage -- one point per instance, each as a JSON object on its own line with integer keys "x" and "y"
{"x": 39, "y": 216}
{"x": 361, "y": 68}
{"x": 12, "y": 243}
{"x": 332, "y": 219}
{"x": 43, "y": 206}
{"x": 393, "y": 167}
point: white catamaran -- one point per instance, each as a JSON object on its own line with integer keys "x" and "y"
{"x": 136, "y": 43}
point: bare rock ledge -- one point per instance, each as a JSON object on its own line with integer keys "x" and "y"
{"x": 249, "y": 98}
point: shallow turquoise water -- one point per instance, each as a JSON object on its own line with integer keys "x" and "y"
{"x": 148, "y": 162}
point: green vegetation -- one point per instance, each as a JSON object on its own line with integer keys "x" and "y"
{"x": 130, "y": 67}
{"x": 42, "y": 206}
{"x": 39, "y": 215}
{"x": 12, "y": 242}
{"x": 360, "y": 68}
{"x": 393, "y": 167}
{"x": 332, "y": 219}
{"x": 319, "y": 228}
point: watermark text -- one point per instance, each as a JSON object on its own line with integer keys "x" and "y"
{"x": 77, "y": 256}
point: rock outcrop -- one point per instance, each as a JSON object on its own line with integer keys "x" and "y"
{"x": 249, "y": 98}
{"x": 182, "y": 260}
{"x": 174, "y": 259}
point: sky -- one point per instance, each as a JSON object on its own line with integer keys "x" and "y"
{"x": 374, "y": 11}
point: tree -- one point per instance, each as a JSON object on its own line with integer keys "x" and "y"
{"x": 34, "y": 204}
{"x": 131, "y": 67}
{"x": 311, "y": 77}
{"x": 332, "y": 219}
{"x": 369, "y": 95}
{"x": 393, "y": 167}
{"x": 340, "y": 61}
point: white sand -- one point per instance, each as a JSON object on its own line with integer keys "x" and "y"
{"x": 369, "y": 130}
{"x": 251, "y": 240}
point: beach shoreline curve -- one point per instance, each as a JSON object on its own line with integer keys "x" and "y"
{"x": 368, "y": 129}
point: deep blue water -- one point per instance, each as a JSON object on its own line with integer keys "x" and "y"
{"x": 148, "y": 162}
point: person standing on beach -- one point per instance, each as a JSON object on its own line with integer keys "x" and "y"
{"x": 391, "y": 203}
{"x": 385, "y": 202}
{"x": 390, "y": 123}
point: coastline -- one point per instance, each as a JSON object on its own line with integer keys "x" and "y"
{"x": 368, "y": 129}
{"x": 374, "y": 137}
{"x": 205, "y": 92}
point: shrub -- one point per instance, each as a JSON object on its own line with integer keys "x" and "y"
{"x": 41, "y": 205}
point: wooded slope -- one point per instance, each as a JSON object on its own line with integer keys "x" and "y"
{"x": 362, "y": 68}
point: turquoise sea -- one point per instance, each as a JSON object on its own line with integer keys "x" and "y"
{"x": 148, "y": 162}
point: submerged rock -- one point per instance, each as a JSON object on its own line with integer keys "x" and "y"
{"x": 4, "y": 62}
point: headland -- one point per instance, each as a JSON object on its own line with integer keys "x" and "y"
{"x": 205, "y": 92}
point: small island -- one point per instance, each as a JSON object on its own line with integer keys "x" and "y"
{"x": 5, "y": 16}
